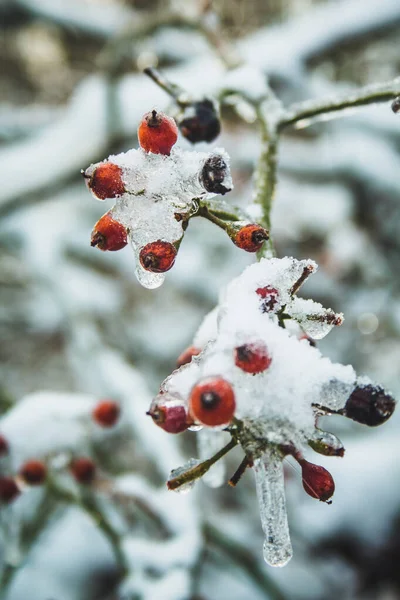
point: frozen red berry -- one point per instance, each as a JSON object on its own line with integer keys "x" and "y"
{"x": 158, "y": 256}
{"x": 317, "y": 481}
{"x": 250, "y": 237}
{"x": 212, "y": 402}
{"x": 106, "y": 413}
{"x": 171, "y": 417}
{"x": 187, "y": 356}
{"x": 9, "y": 490}
{"x": 157, "y": 133}
{"x": 4, "y": 448}
{"x": 105, "y": 181}
{"x": 33, "y": 472}
{"x": 369, "y": 405}
{"x": 83, "y": 469}
{"x": 200, "y": 122}
{"x": 109, "y": 234}
{"x": 270, "y": 298}
{"x": 253, "y": 357}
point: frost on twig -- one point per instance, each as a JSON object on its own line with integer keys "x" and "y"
{"x": 258, "y": 376}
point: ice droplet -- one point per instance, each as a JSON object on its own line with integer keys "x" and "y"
{"x": 186, "y": 487}
{"x": 268, "y": 472}
{"x": 208, "y": 443}
{"x": 147, "y": 279}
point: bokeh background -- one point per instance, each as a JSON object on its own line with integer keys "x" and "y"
{"x": 76, "y": 326}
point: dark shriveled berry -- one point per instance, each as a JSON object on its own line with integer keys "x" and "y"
{"x": 214, "y": 176}
{"x": 369, "y": 405}
{"x": 158, "y": 257}
{"x": 33, "y": 472}
{"x": 200, "y": 121}
{"x": 396, "y": 105}
{"x": 250, "y": 237}
{"x": 4, "y": 448}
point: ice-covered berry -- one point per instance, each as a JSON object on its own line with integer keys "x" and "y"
{"x": 200, "y": 121}
{"x": 187, "y": 356}
{"x": 106, "y": 413}
{"x": 158, "y": 256}
{"x": 252, "y": 358}
{"x": 109, "y": 234}
{"x": 105, "y": 180}
{"x": 212, "y": 402}
{"x": 83, "y": 469}
{"x": 270, "y": 298}
{"x": 33, "y": 472}
{"x": 317, "y": 481}
{"x": 250, "y": 237}
{"x": 171, "y": 417}
{"x": 157, "y": 133}
{"x": 9, "y": 490}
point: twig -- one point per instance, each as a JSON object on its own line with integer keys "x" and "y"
{"x": 240, "y": 471}
{"x": 307, "y": 113}
{"x": 200, "y": 469}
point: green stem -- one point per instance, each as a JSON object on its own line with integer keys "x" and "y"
{"x": 200, "y": 469}
{"x": 266, "y": 173}
{"x": 311, "y": 111}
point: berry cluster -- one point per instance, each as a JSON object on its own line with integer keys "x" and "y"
{"x": 157, "y": 189}
{"x": 253, "y": 371}
{"x": 35, "y": 472}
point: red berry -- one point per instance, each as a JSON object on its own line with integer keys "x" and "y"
{"x": 106, "y": 181}
{"x": 171, "y": 417}
{"x": 106, "y": 413}
{"x": 187, "y": 356}
{"x": 33, "y": 472}
{"x": 157, "y": 133}
{"x": 270, "y": 298}
{"x": 4, "y": 448}
{"x": 8, "y": 490}
{"x": 108, "y": 234}
{"x": 212, "y": 402}
{"x": 250, "y": 237}
{"x": 158, "y": 256}
{"x": 317, "y": 481}
{"x": 83, "y": 469}
{"x": 252, "y": 358}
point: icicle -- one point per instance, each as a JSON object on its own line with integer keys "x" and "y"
{"x": 271, "y": 497}
{"x": 208, "y": 443}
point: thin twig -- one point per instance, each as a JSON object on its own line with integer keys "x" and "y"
{"x": 305, "y": 114}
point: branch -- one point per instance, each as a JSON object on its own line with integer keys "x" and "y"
{"x": 307, "y": 113}
{"x": 200, "y": 469}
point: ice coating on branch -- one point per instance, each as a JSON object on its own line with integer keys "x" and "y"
{"x": 159, "y": 195}
{"x": 277, "y": 403}
{"x": 186, "y": 487}
{"x": 268, "y": 471}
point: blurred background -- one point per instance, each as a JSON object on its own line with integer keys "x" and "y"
{"x": 76, "y": 326}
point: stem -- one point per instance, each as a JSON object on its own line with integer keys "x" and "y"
{"x": 240, "y": 471}
{"x": 307, "y": 113}
{"x": 88, "y": 503}
{"x": 305, "y": 274}
{"x": 172, "y": 89}
{"x": 266, "y": 172}
{"x": 199, "y": 470}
